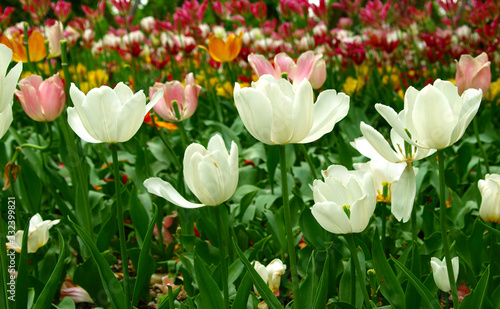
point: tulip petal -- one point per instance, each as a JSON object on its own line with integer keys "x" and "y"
{"x": 378, "y": 142}
{"x": 362, "y": 145}
{"x": 261, "y": 66}
{"x": 471, "y": 102}
{"x": 284, "y": 64}
{"x": 190, "y": 169}
{"x": 303, "y": 111}
{"x": 433, "y": 118}
{"x": 98, "y": 113}
{"x": 255, "y": 111}
{"x": 394, "y": 121}
{"x": 131, "y": 113}
{"x": 329, "y": 109}
{"x": 77, "y": 126}
{"x": 361, "y": 212}
{"x": 10, "y": 81}
{"x": 5, "y": 59}
{"x": 403, "y": 195}
{"x": 164, "y": 189}
{"x": 123, "y": 92}
{"x": 331, "y": 217}
{"x": 5, "y": 119}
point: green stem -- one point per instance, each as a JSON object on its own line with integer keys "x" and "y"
{"x": 214, "y": 97}
{"x": 359, "y": 273}
{"x": 170, "y": 297}
{"x": 170, "y": 151}
{"x": 384, "y": 222}
{"x": 288, "y": 229}
{"x": 121, "y": 225}
{"x": 353, "y": 283}
{"x": 303, "y": 148}
{"x": 180, "y": 124}
{"x": 49, "y": 63}
{"x": 481, "y": 148}
{"x": 414, "y": 230}
{"x": 64, "y": 65}
{"x": 444, "y": 236}
{"x": 26, "y": 46}
{"x": 493, "y": 257}
{"x": 223, "y": 255}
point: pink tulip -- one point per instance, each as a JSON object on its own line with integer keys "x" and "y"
{"x": 75, "y": 292}
{"x": 473, "y": 73}
{"x": 309, "y": 66}
{"x": 42, "y": 100}
{"x": 55, "y": 35}
{"x": 186, "y": 98}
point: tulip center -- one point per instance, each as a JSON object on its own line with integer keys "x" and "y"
{"x": 347, "y": 210}
{"x": 385, "y": 196}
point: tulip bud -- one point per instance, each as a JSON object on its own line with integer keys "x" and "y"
{"x": 38, "y": 234}
{"x": 42, "y": 100}
{"x": 440, "y": 272}
{"x": 473, "y": 73}
{"x": 176, "y": 96}
{"x": 490, "y": 189}
{"x": 55, "y": 35}
{"x": 211, "y": 174}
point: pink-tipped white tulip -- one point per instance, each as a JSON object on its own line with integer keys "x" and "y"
{"x": 42, "y": 100}
{"x": 185, "y": 99}
{"x": 473, "y": 73}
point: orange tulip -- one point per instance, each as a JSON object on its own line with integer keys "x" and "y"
{"x": 222, "y": 51}
{"x": 36, "y": 46}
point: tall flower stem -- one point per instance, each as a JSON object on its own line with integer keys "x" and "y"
{"x": 223, "y": 243}
{"x": 384, "y": 222}
{"x": 444, "y": 235}
{"x": 359, "y": 273}
{"x": 121, "y": 227}
{"x": 481, "y": 148}
{"x": 180, "y": 124}
{"x": 288, "y": 229}
{"x": 308, "y": 160}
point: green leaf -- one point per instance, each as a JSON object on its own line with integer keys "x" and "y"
{"x": 66, "y": 303}
{"x": 261, "y": 286}
{"x": 110, "y": 283}
{"x": 322, "y": 292}
{"x": 22, "y": 273}
{"x": 241, "y": 299}
{"x": 389, "y": 284}
{"x": 477, "y": 298}
{"x": 210, "y": 295}
{"x": 314, "y": 234}
{"x": 52, "y": 285}
{"x": 138, "y": 215}
{"x": 272, "y": 161}
{"x": 427, "y": 297}
{"x": 145, "y": 266}
{"x": 163, "y": 302}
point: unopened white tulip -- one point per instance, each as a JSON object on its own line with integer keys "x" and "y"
{"x": 490, "y": 194}
{"x": 271, "y": 274}
{"x": 440, "y": 272}
{"x": 211, "y": 174}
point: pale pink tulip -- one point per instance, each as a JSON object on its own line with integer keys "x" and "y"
{"x": 42, "y": 100}
{"x": 186, "y": 98}
{"x": 309, "y": 66}
{"x": 75, "y": 292}
{"x": 55, "y": 34}
{"x": 473, "y": 73}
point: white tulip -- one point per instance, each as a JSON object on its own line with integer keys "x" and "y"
{"x": 277, "y": 114}
{"x": 440, "y": 272}
{"x": 8, "y": 84}
{"x": 108, "y": 115}
{"x": 38, "y": 234}
{"x": 345, "y": 201}
{"x": 490, "y": 194}
{"x": 403, "y": 185}
{"x": 271, "y": 274}
{"x": 435, "y": 117}
{"x": 211, "y": 174}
